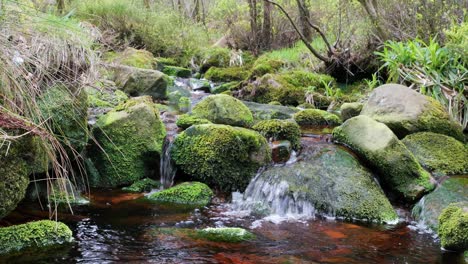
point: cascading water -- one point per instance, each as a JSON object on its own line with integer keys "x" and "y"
{"x": 167, "y": 168}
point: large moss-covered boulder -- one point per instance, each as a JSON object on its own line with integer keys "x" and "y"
{"x": 189, "y": 193}
{"x": 138, "y": 82}
{"x": 406, "y": 111}
{"x": 223, "y": 109}
{"x": 277, "y": 129}
{"x": 132, "y": 57}
{"x": 430, "y": 207}
{"x": 375, "y": 142}
{"x": 270, "y": 111}
{"x": 220, "y": 155}
{"x": 453, "y": 227}
{"x": 34, "y": 235}
{"x": 129, "y": 140}
{"x": 315, "y": 117}
{"x": 226, "y": 74}
{"x": 327, "y": 180}
{"x": 67, "y": 112}
{"x": 271, "y": 87}
{"x": 440, "y": 154}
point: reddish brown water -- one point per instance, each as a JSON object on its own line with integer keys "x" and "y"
{"x": 117, "y": 227}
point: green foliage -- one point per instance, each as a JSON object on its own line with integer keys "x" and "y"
{"x": 225, "y": 234}
{"x": 316, "y": 117}
{"x": 144, "y": 185}
{"x": 231, "y": 156}
{"x": 279, "y": 130}
{"x": 34, "y": 235}
{"x": 457, "y": 41}
{"x": 190, "y": 193}
{"x": 453, "y": 228}
{"x": 436, "y": 71}
{"x": 185, "y": 121}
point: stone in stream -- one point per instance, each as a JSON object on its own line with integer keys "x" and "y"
{"x": 225, "y": 234}
{"x": 406, "y": 111}
{"x": 277, "y": 129}
{"x": 216, "y": 74}
{"x": 349, "y": 110}
{"x": 177, "y": 71}
{"x": 453, "y": 227}
{"x": 187, "y": 120}
{"x": 281, "y": 151}
{"x": 327, "y": 180}
{"x": 131, "y": 57}
{"x": 268, "y": 111}
{"x": 188, "y": 193}
{"x": 197, "y": 84}
{"x": 223, "y": 109}
{"x": 397, "y": 167}
{"x": 143, "y": 185}
{"x": 34, "y": 235}
{"x": 440, "y": 154}
{"x": 219, "y": 155}
{"x": 128, "y": 141}
{"x": 314, "y": 118}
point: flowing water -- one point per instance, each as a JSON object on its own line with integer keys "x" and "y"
{"x": 167, "y": 168}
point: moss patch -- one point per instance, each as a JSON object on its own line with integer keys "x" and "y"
{"x": 316, "y": 117}
{"x": 225, "y": 234}
{"x": 143, "y": 185}
{"x": 280, "y": 129}
{"x": 132, "y": 57}
{"x": 190, "y": 193}
{"x": 177, "y": 71}
{"x": 227, "y": 74}
{"x": 220, "y": 155}
{"x": 186, "y": 120}
{"x": 305, "y": 79}
{"x": 34, "y": 235}
{"x": 453, "y": 228}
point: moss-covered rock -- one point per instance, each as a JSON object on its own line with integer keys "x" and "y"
{"x": 104, "y": 98}
{"x": 314, "y": 117}
{"x": 376, "y": 143}
{"x": 440, "y": 154}
{"x": 138, "y": 82}
{"x": 177, "y": 71}
{"x": 190, "y": 193}
{"x": 406, "y": 111}
{"x": 162, "y": 62}
{"x": 214, "y": 57}
{"x": 225, "y": 87}
{"x": 200, "y": 85}
{"x": 281, "y": 151}
{"x": 225, "y": 234}
{"x": 429, "y": 208}
{"x": 223, "y": 109}
{"x": 270, "y": 111}
{"x": 276, "y": 129}
{"x": 453, "y": 227}
{"x": 226, "y": 74}
{"x": 131, "y": 138}
{"x": 271, "y": 87}
{"x": 67, "y": 113}
{"x": 144, "y": 185}
{"x": 36, "y": 234}
{"x": 264, "y": 65}
{"x": 326, "y": 180}
{"x": 132, "y": 57}
{"x": 305, "y": 79}
{"x": 220, "y": 155}
{"x": 185, "y": 121}
{"x": 349, "y": 110}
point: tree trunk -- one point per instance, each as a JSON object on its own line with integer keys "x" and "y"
{"x": 196, "y": 10}
{"x": 304, "y": 17}
{"x": 147, "y": 4}
{"x": 253, "y": 26}
{"x": 60, "y": 6}
{"x": 266, "y": 30}
{"x": 372, "y": 10}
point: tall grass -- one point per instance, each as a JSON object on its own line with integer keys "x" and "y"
{"x": 433, "y": 70}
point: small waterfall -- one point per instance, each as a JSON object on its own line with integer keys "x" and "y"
{"x": 167, "y": 168}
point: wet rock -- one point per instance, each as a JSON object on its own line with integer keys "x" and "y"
{"x": 406, "y": 111}
{"x": 281, "y": 151}
{"x": 220, "y": 155}
{"x": 268, "y": 111}
{"x": 277, "y": 129}
{"x": 440, "y": 154}
{"x": 375, "y": 142}
{"x": 225, "y": 87}
{"x": 430, "y": 207}
{"x": 223, "y": 109}
{"x": 326, "y": 180}
{"x": 197, "y": 84}
{"x": 225, "y": 234}
{"x": 189, "y": 193}
{"x": 453, "y": 227}
{"x": 34, "y": 235}
{"x": 131, "y": 138}
{"x": 349, "y": 110}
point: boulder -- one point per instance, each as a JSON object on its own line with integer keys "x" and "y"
{"x": 315, "y": 118}
{"x": 406, "y": 111}
{"x": 132, "y": 57}
{"x": 220, "y": 155}
{"x": 34, "y": 235}
{"x": 129, "y": 140}
{"x": 269, "y": 111}
{"x": 281, "y": 151}
{"x": 397, "y": 167}
{"x": 189, "y": 193}
{"x": 349, "y": 110}
{"x": 430, "y": 207}
{"x": 440, "y": 154}
{"x": 277, "y": 129}
{"x": 325, "y": 180}
{"x": 453, "y": 227}
{"x": 185, "y": 121}
{"x": 225, "y": 87}
{"x": 223, "y": 109}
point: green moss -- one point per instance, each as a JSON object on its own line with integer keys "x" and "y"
{"x": 225, "y": 87}
{"x": 305, "y": 79}
{"x": 225, "y": 234}
{"x": 220, "y": 155}
{"x": 440, "y": 154}
{"x": 376, "y": 143}
{"x": 264, "y": 65}
{"x": 67, "y": 113}
{"x": 316, "y": 117}
{"x": 224, "y": 109}
{"x": 177, "y": 71}
{"x": 280, "y": 129}
{"x": 144, "y": 185}
{"x": 214, "y": 57}
{"x": 104, "y": 98}
{"x": 453, "y": 228}
{"x": 161, "y": 62}
{"x": 274, "y": 103}
{"x": 191, "y": 193}
{"x": 226, "y": 74}
{"x": 130, "y": 138}
{"x": 186, "y": 120}
{"x": 349, "y": 110}
{"x": 34, "y": 235}
{"x": 131, "y": 57}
